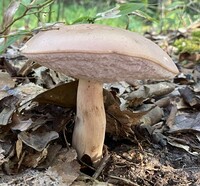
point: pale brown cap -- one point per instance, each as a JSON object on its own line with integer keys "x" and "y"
{"x": 100, "y": 53}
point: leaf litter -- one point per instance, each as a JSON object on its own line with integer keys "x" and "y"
{"x": 152, "y": 132}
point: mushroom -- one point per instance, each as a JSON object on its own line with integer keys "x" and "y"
{"x": 96, "y": 54}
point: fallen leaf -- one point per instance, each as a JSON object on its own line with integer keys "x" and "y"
{"x": 120, "y": 87}
{"x": 53, "y": 150}
{"x": 18, "y": 147}
{"x": 29, "y": 89}
{"x": 189, "y": 97}
{"x": 27, "y": 68}
{"x": 34, "y": 159}
{"x": 6, "y": 83}
{"x": 152, "y": 114}
{"x": 145, "y": 92}
{"x": 7, "y": 108}
{"x": 65, "y": 166}
{"x": 182, "y": 146}
{"x": 186, "y": 122}
{"x": 18, "y": 124}
{"x": 179, "y": 102}
{"x": 196, "y": 87}
{"x": 184, "y": 78}
{"x": 194, "y": 57}
{"x": 62, "y": 95}
{"x": 37, "y": 141}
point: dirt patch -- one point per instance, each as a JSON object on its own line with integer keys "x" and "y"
{"x": 152, "y": 166}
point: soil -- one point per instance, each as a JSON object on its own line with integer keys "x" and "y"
{"x": 129, "y": 165}
{"x": 151, "y": 166}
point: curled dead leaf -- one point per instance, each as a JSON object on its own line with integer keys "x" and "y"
{"x": 37, "y": 140}
{"x": 145, "y": 92}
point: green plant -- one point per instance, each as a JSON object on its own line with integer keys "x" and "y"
{"x": 176, "y": 14}
{"x": 190, "y": 45}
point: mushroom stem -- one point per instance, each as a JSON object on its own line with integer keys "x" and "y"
{"x": 89, "y": 130}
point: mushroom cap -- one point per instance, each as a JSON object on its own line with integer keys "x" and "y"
{"x": 101, "y": 53}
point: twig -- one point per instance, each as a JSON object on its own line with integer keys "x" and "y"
{"x": 25, "y": 13}
{"x": 20, "y": 161}
{"x": 102, "y": 164}
{"x": 126, "y": 181}
{"x": 85, "y": 164}
{"x": 65, "y": 138}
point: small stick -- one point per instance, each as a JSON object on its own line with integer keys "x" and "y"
{"x": 126, "y": 181}
{"x": 102, "y": 164}
{"x": 20, "y": 161}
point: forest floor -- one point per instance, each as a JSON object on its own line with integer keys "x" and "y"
{"x": 152, "y": 138}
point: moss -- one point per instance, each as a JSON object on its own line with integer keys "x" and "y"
{"x": 190, "y": 45}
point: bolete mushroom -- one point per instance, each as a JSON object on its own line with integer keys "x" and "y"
{"x": 96, "y": 54}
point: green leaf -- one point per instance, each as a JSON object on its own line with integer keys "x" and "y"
{"x": 111, "y": 13}
{"x": 146, "y": 16}
{"x": 128, "y": 8}
{"x": 124, "y": 10}
{"x": 10, "y": 39}
{"x": 26, "y": 2}
{"x": 84, "y": 19}
{"x": 175, "y": 4}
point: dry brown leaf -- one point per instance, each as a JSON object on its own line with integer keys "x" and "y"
{"x": 163, "y": 102}
{"x": 27, "y": 68}
{"x": 193, "y": 57}
{"x": 196, "y": 87}
{"x": 6, "y": 83}
{"x": 179, "y": 102}
{"x": 186, "y": 122}
{"x": 34, "y": 159}
{"x": 29, "y": 89}
{"x": 19, "y": 146}
{"x": 152, "y": 114}
{"x": 18, "y": 124}
{"x": 27, "y": 92}
{"x": 62, "y": 95}
{"x": 189, "y": 97}
{"x": 48, "y": 77}
{"x": 119, "y": 87}
{"x": 7, "y": 108}
{"x": 53, "y": 150}
{"x": 119, "y": 122}
{"x": 38, "y": 140}
{"x": 6, "y": 80}
{"x": 182, "y": 146}
{"x": 148, "y": 91}
{"x": 65, "y": 167}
